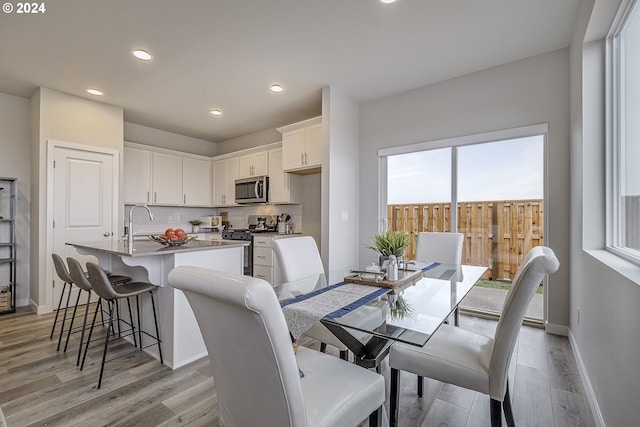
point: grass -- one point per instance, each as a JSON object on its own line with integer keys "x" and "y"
{"x": 499, "y": 284}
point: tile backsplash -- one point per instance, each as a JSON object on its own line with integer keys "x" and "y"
{"x": 178, "y": 217}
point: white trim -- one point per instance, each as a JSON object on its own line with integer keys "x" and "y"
{"x": 165, "y": 151}
{"x": 298, "y": 125}
{"x": 588, "y": 388}
{"x": 51, "y": 146}
{"x": 457, "y": 141}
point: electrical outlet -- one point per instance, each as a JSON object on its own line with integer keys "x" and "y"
{"x": 578, "y": 315}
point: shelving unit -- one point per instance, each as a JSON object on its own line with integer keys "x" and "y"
{"x": 8, "y": 192}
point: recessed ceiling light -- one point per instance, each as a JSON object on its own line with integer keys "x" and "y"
{"x": 95, "y": 92}
{"x": 215, "y": 112}
{"x": 142, "y": 54}
{"x": 387, "y": 1}
{"x": 276, "y": 88}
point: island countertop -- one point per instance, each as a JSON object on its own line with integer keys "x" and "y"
{"x": 148, "y": 247}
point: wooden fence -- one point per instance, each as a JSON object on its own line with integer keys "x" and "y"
{"x": 497, "y": 233}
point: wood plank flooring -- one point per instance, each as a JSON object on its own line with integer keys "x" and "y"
{"x": 40, "y": 386}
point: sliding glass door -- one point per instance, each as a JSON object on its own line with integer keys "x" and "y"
{"x": 492, "y": 192}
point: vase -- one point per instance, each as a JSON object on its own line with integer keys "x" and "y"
{"x": 195, "y": 228}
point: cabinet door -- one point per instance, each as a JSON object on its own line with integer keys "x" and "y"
{"x": 293, "y": 147}
{"x": 232, "y": 175}
{"x": 219, "y": 182}
{"x": 260, "y": 163}
{"x": 313, "y": 153}
{"x": 137, "y": 175}
{"x": 245, "y": 166}
{"x": 167, "y": 179}
{"x": 196, "y": 182}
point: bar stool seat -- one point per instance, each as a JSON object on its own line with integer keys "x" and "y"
{"x": 112, "y": 294}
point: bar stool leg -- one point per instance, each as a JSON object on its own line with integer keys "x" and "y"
{"x": 73, "y": 317}
{"x": 64, "y": 317}
{"x": 106, "y": 340}
{"x": 64, "y": 287}
{"x": 139, "y": 321}
{"x": 84, "y": 326}
{"x": 93, "y": 322}
{"x": 155, "y": 320}
{"x": 133, "y": 328}
{"x": 119, "y": 323}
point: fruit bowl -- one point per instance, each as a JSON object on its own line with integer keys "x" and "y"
{"x": 163, "y": 240}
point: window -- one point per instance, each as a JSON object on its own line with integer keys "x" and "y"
{"x": 624, "y": 173}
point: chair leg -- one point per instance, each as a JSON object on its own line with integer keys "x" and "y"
{"x": 155, "y": 320}
{"x": 84, "y": 326}
{"x": 55, "y": 321}
{"x": 375, "y": 419}
{"x": 119, "y": 322}
{"x": 394, "y": 397}
{"x": 106, "y": 341}
{"x": 64, "y": 318}
{"x": 323, "y": 347}
{"x": 420, "y": 386}
{"x": 508, "y": 410}
{"x": 139, "y": 319}
{"x": 496, "y": 413}
{"x": 93, "y": 322}
{"x": 73, "y": 317}
{"x": 133, "y": 328}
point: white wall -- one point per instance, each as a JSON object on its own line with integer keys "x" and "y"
{"x": 604, "y": 288}
{"x": 531, "y": 91}
{"x": 340, "y": 183}
{"x": 256, "y": 139}
{"x": 172, "y": 141}
{"x": 62, "y": 117}
{"x": 14, "y": 162}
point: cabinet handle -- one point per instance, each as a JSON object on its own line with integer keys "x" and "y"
{"x": 302, "y": 159}
{"x": 148, "y": 196}
{"x": 306, "y": 162}
{"x": 155, "y": 197}
{"x": 261, "y": 257}
{"x": 184, "y": 198}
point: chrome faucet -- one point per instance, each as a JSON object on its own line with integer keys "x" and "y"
{"x": 130, "y": 230}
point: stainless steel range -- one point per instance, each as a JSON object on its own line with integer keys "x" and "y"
{"x": 257, "y": 224}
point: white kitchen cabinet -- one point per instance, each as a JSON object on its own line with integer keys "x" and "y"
{"x": 167, "y": 179}
{"x": 265, "y": 265}
{"x": 302, "y": 148}
{"x": 283, "y": 187}
{"x": 196, "y": 182}
{"x": 254, "y": 164}
{"x": 225, "y": 173}
{"x": 137, "y": 175}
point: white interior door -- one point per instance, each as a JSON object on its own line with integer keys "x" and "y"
{"x": 83, "y": 202}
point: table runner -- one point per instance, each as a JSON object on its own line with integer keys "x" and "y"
{"x": 333, "y": 301}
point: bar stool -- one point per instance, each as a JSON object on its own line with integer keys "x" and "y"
{"x": 104, "y": 289}
{"x": 63, "y": 274}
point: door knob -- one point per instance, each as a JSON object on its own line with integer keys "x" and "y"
{"x": 107, "y": 234}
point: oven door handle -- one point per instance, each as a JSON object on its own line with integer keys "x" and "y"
{"x": 257, "y": 188}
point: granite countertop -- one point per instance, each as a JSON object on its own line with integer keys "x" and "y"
{"x": 148, "y": 247}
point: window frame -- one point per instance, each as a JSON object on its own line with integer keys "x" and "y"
{"x": 615, "y": 85}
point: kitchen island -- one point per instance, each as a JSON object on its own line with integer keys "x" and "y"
{"x": 151, "y": 262}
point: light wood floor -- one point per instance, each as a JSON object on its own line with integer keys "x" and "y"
{"x": 40, "y": 386}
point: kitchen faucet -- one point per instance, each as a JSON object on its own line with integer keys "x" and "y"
{"x": 130, "y": 230}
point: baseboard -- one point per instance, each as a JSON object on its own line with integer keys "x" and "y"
{"x": 591, "y": 397}
{"x": 556, "y": 329}
{"x": 39, "y": 309}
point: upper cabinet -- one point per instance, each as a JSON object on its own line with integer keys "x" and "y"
{"x": 162, "y": 178}
{"x": 302, "y": 146}
{"x": 225, "y": 173}
{"x": 137, "y": 175}
{"x": 196, "y": 182}
{"x": 254, "y": 164}
{"x": 283, "y": 186}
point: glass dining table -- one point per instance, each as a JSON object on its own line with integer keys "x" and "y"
{"x": 368, "y": 316}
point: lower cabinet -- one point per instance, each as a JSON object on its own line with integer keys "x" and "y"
{"x": 265, "y": 264}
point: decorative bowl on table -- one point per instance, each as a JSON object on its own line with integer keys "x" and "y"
{"x": 174, "y": 241}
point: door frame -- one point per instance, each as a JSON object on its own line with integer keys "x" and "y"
{"x": 51, "y": 147}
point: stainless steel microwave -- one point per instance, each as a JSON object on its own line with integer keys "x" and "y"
{"x": 252, "y": 190}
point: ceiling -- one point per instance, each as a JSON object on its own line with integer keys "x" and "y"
{"x": 226, "y": 53}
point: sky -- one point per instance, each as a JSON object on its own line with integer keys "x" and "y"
{"x": 503, "y": 170}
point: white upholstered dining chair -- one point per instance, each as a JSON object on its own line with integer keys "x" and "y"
{"x": 439, "y": 247}
{"x": 259, "y": 379}
{"x": 299, "y": 258}
{"x": 471, "y": 360}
